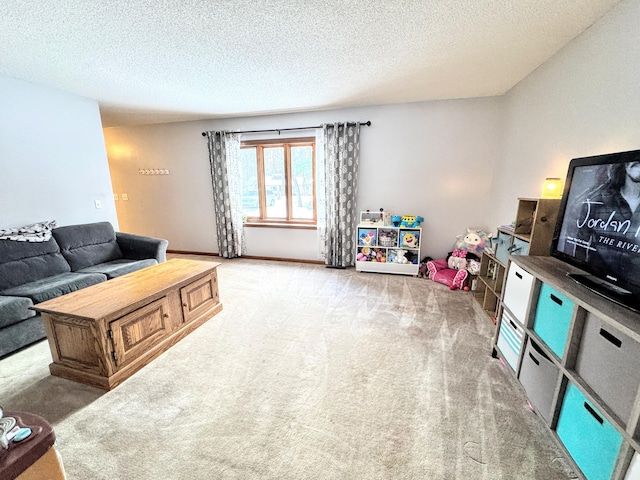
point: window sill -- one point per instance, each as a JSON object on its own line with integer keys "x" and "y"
{"x": 302, "y": 226}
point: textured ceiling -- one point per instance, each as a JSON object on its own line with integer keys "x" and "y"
{"x": 149, "y": 61}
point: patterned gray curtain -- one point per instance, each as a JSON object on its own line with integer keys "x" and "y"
{"x": 341, "y": 158}
{"x": 226, "y": 175}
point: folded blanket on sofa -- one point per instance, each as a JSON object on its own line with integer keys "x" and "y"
{"x": 36, "y": 232}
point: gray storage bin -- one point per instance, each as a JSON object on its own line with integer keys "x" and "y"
{"x": 609, "y": 361}
{"x": 539, "y": 376}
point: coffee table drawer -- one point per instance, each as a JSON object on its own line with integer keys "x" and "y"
{"x": 199, "y": 297}
{"x": 136, "y": 333}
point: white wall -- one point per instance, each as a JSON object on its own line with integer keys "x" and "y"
{"x": 53, "y": 162}
{"x": 584, "y": 101}
{"x": 434, "y": 159}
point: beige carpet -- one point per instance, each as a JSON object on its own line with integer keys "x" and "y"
{"x": 308, "y": 373}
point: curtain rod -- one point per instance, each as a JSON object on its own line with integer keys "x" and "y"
{"x": 204, "y": 134}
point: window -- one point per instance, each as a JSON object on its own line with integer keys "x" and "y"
{"x": 279, "y": 184}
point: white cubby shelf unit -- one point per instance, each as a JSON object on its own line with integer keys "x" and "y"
{"x": 388, "y": 249}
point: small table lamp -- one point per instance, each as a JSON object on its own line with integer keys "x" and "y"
{"x": 552, "y": 188}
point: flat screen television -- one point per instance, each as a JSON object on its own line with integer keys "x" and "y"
{"x": 598, "y": 228}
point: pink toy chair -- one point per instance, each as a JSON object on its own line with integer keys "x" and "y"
{"x": 440, "y": 272}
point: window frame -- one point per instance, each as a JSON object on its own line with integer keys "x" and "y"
{"x": 286, "y": 144}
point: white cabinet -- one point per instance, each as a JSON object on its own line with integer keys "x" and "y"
{"x": 388, "y": 249}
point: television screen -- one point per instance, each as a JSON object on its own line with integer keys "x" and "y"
{"x": 598, "y": 227}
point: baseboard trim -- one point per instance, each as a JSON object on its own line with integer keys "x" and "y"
{"x": 250, "y": 257}
{"x": 278, "y": 259}
{"x": 189, "y": 252}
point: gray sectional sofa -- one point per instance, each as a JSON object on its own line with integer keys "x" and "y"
{"x": 75, "y": 257}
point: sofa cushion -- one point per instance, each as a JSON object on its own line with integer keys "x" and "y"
{"x": 120, "y": 267}
{"x": 24, "y": 262}
{"x": 88, "y": 244}
{"x": 21, "y": 334}
{"x": 14, "y": 310}
{"x": 48, "y": 288}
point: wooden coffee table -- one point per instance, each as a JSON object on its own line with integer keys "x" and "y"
{"x": 103, "y": 334}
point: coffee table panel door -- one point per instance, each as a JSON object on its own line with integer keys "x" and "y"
{"x": 74, "y": 343}
{"x": 199, "y": 297}
{"x": 136, "y": 333}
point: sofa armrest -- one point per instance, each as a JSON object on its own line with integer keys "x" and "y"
{"x": 140, "y": 247}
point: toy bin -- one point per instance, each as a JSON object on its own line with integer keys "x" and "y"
{"x": 517, "y": 292}
{"x": 388, "y": 237}
{"x": 609, "y": 361}
{"x": 539, "y": 376}
{"x": 503, "y": 243}
{"x": 510, "y": 339}
{"x": 409, "y": 238}
{"x": 367, "y": 237}
{"x": 591, "y": 440}
{"x": 553, "y": 318}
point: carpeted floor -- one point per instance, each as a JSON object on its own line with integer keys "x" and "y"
{"x": 307, "y": 373}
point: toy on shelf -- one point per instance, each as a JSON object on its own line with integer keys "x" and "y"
{"x": 367, "y": 254}
{"x": 474, "y": 241}
{"x": 403, "y": 257}
{"x": 411, "y": 221}
{"x": 462, "y": 261}
{"x": 406, "y": 221}
{"x": 374, "y": 218}
{"x": 411, "y": 257}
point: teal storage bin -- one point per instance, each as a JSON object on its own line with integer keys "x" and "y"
{"x": 553, "y": 318}
{"x": 592, "y": 442}
{"x": 503, "y": 242}
{"x": 519, "y": 247}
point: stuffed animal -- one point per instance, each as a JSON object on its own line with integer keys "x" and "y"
{"x": 411, "y": 221}
{"x": 423, "y": 271}
{"x": 474, "y": 241}
{"x": 411, "y": 257}
{"x": 463, "y": 260}
{"x": 364, "y": 254}
{"x": 458, "y": 259}
{"x": 401, "y": 257}
{"x": 391, "y": 256}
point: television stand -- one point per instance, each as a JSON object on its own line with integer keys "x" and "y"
{"x": 611, "y": 292}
